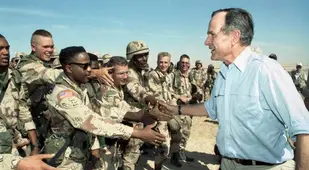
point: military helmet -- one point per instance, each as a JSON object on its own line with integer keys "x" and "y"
{"x": 174, "y": 124}
{"x": 136, "y": 47}
{"x": 106, "y": 58}
{"x": 198, "y": 62}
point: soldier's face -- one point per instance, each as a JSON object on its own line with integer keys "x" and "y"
{"x": 198, "y": 65}
{"x": 184, "y": 64}
{"x": 4, "y": 53}
{"x": 80, "y": 69}
{"x": 163, "y": 63}
{"x": 120, "y": 75}
{"x": 218, "y": 42}
{"x": 141, "y": 61}
{"x": 43, "y": 47}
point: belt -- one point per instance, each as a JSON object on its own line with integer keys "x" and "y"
{"x": 251, "y": 162}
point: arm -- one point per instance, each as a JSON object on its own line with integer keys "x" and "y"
{"x": 153, "y": 84}
{"x": 302, "y": 152}
{"x": 134, "y": 88}
{"x": 190, "y": 110}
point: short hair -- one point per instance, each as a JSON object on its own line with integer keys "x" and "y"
{"x": 117, "y": 60}
{"x": 238, "y": 19}
{"x": 184, "y": 56}
{"x": 69, "y": 54}
{"x": 40, "y": 32}
{"x": 273, "y": 56}
{"x": 162, "y": 54}
{"x": 93, "y": 57}
{"x": 1, "y": 36}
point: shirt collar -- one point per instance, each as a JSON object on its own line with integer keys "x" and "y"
{"x": 240, "y": 62}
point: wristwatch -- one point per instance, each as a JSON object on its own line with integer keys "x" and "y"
{"x": 179, "y": 110}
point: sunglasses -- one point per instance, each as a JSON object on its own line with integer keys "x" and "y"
{"x": 84, "y": 66}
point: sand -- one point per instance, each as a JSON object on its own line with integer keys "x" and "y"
{"x": 200, "y": 147}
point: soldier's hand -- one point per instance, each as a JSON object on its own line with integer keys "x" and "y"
{"x": 150, "y": 100}
{"x": 166, "y": 108}
{"x": 35, "y": 163}
{"x": 103, "y": 75}
{"x": 159, "y": 115}
{"x": 149, "y": 135}
{"x": 184, "y": 99}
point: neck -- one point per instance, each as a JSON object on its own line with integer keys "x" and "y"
{"x": 3, "y": 69}
{"x": 235, "y": 53}
{"x": 184, "y": 71}
{"x": 71, "y": 78}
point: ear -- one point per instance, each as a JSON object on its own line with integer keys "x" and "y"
{"x": 235, "y": 37}
{"x": 68, "y": 68}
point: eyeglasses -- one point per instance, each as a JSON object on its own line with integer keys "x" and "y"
{"x": 122, "y": 73}
{"x": 84, "y": 66}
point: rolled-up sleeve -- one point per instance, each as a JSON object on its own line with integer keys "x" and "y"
{"x": 284, "y": 100}
{"x": 210, "y": 106}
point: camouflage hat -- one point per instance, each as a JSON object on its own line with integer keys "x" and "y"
{"x": 174, "y": 124}
{"x": 106, "y": 58}
{"x": 55, "y": 54}
{"x": 56, "y": 63}
{"x": 20, "y": 54}
{"x": 136, "y": 47}
{"x": 210, "y": 65}
{"x": 198, "y": 62}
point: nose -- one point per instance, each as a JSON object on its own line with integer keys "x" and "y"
{"x": 208, "y": 40}
{"x": 88, "y": 68}
{"x": 4, "y": 51}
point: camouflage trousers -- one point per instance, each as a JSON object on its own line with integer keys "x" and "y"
{"x": 206, "y": 93}
{"x": 162, "y": 151}
{"x": 112, "y": 157}
{"x": 180, "y": 139}
{"x": 131, "y": 150}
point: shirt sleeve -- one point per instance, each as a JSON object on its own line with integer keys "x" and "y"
{"x": 210, "y": 105}
{"x": 284, "y": 100}
{"x": 82, "y": 117}
{"x": 9, "y": 161}
{"x": 135, "y": 89}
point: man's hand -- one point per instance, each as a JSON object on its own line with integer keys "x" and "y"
{"x": 35, "y": 163}
{"x": 103, "y": 75}
{"x": 159, "y": 115}
{"x": 184, "y": 99}
{"x": 166, "y": 108}
{"x": 149, "y": 135}
{"x": 150, "y": 100}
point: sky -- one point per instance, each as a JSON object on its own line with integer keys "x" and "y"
{"x": 175, "y": 26}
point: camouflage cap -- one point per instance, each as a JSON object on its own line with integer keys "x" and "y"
{"x": 198, "y": 62}
{"x": 136, "y": 47}
{"x": 55, "y": 53}
{"x": 106, "y": 58}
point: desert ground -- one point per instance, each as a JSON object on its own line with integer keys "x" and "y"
{"x": 200, "y": 147}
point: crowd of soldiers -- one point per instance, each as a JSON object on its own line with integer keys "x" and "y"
{"x": 94, "y": 112}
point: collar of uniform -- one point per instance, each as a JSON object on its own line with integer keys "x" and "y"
{"x": 132, "y": 66}
{"x": 159, "y": 72}
{"x": 72, "y": 84}
{"x": 184, "y": 74}
{"x": 240, "y": 62}
{"x": 33, "y": 57}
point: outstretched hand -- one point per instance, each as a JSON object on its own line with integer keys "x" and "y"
{"x": 103, "y": 76}
{"x": 35, "y": 163}
{"x": 160, "y": 115}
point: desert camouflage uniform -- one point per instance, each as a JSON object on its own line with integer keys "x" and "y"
{"x": 198, "y": 78}
{"x": 159, "y": 86}
{"x": 209, "y": 84}
{"x": 34, "y": 78}
{"x": 70, "y": 111}
{"x": 115, "y": 100}
{"x": 182, "y": 87}
{"x": 8, "y": 161}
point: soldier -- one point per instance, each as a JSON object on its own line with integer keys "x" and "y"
{"x": 7, "y": 160}
{"x": 73, "y": 124}
{"x": 197, "y": 75}
{"x": 305, "y": 93}
{"x": 182, "y": 92}
{"x": 211, "y": 77}
{"x": 299, "y": 77}
{"x": 158, "y": 84}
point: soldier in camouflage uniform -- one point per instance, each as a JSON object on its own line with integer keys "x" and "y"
{"x": 73, "y": 118}
{"x": 158, "y": 84}
{"x": 182, "y": 92}
{"x": 211, "y": 77}
{"x": 197, "y": 76}
{"x": 106, "y": 58}
{"x": 8, "y": 161}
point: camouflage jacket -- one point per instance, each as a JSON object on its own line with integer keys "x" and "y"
{"x": 113, "y": 100}
{"x": 211, "y": 77}
{"x": 160, "y": 86}
{"x": 135, "y": 91}
{"x": 70, "y": 109}
{"x": 198, "y": 77}
{"x": 301, "y": 81}
{"x": 33, "y": 75}
{"x": 181, "y": 84}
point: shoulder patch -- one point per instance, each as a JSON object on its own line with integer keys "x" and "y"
{"x": 65, "y": 94}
